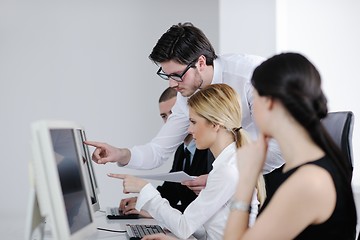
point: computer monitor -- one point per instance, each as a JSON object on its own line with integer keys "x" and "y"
{"x": 89, "y": 170}
{"x": 60, "y": 192}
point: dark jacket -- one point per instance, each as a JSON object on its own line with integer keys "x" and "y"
{"x": 175, "y": 192}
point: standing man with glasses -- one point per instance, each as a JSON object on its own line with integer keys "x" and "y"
{"x": 188, "y": 61}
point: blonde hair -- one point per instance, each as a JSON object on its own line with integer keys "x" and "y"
{"x": 220, "y": 104}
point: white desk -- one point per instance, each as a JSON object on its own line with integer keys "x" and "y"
{"x": 102, "y": 222}
{"x": 117, "y": 224}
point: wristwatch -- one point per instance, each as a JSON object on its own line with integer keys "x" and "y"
{"x": 240, "y": 206}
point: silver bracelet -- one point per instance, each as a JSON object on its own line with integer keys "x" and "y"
{"x": 240, "y": 206}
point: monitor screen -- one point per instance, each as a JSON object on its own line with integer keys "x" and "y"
{"x": 89, "y": 170}
{"x": 71, "y": 180}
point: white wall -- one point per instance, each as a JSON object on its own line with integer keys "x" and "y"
{"x": 248, "y": 27}
{"x": 328, "y": 33}
{"x": 85, "y": 61}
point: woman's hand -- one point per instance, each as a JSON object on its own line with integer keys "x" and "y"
{"x": 251, "y": 158}
{"x": 131, "y": 184}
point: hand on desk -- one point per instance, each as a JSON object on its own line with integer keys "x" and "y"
{"x": 197, "y": 184}
{"x": 127, "y": 206}
{"x": 105, "y": 153}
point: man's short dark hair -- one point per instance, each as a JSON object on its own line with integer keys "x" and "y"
{"x": 167, "y": 94}
{"x": 183, "y": 43}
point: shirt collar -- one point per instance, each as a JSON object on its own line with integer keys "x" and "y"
{"x": 225, "y": 155}
{"x": 217, "y": 78}
{"x": 191, "y": 147}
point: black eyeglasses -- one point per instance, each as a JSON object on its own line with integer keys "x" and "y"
{"x": 175, "y": 76}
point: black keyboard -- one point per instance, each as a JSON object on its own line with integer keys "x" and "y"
{"x": 114, "y": 213}
{"x": 138, "y": 231}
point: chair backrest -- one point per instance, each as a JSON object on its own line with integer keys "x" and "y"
{"x": 340, "y": 127}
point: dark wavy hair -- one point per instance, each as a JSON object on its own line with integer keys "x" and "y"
{"x": 183, "y": 43}
{"x": 293, "y": 80}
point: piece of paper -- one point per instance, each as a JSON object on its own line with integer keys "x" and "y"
{"x": 169, "y": 177}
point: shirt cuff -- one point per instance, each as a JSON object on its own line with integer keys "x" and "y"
{"x": 146, "y": 194}
{"x": 134, "y": 161}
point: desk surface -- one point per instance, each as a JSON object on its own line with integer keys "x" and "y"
{"x": 117, "y": 224}
{"x": 101, "y": 221}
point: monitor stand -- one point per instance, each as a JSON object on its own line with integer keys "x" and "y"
{"x": 34, "y": 219}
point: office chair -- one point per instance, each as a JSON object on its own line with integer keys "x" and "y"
{"x": 340, "y": 127}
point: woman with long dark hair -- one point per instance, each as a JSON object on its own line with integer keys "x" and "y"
{"x": 314, "y": 199}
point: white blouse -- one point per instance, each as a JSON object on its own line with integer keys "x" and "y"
{"x": 208, "y": 213}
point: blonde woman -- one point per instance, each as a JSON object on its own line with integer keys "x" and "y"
{"x": 215, "y": 117}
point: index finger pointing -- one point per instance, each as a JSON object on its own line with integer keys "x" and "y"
{"x": 94, "y": 144}
{"x": 119, "y": 176}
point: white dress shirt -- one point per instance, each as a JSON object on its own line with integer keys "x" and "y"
{"x": 234, "y": 70}
{"x": 192, "y": 148}
{"x": 208, "y": 213}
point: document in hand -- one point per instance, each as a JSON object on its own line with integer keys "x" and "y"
{"x": 169, "y": 177}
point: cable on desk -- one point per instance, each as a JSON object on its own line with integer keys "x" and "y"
{"x": 111, "y": 230}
